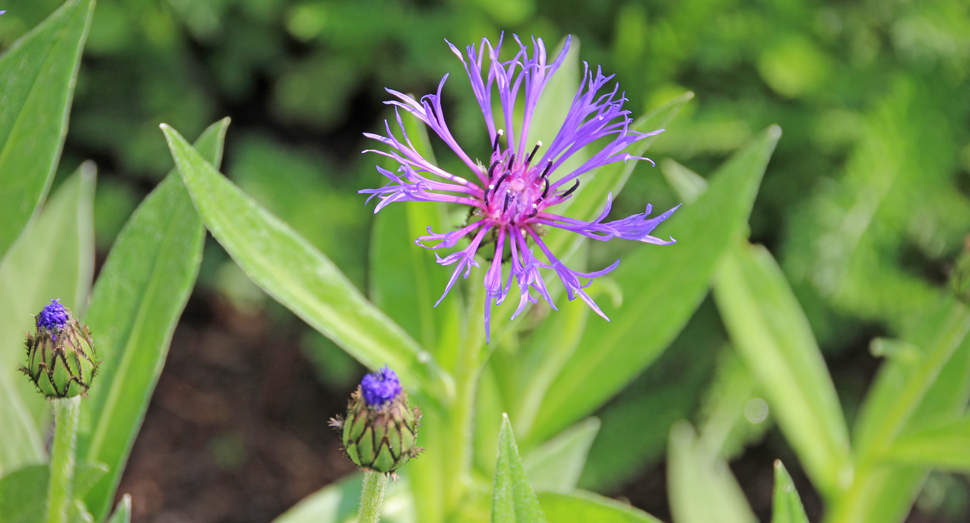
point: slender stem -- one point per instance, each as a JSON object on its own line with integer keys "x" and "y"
{"x": 62, "y": 458}
{"x": 372, "y": 497}
{"x": 460, "y": 417}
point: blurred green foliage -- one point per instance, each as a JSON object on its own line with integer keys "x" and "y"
{"x": 866, "y": 202}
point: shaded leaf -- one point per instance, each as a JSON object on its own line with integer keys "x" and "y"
{"x": 54, "y": 258}
{"x": 405, "y": 281}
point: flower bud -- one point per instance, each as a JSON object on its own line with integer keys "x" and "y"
{"x": 60, "y": 354}
{"x": 380, "y": 430}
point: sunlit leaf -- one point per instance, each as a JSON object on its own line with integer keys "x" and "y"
{"x": 787, "y": 506}
{"x": 773, "y": 337}
{"x": 291, "y": 270}
{"x": 513, "y": 500}
{"x": 37, "y": 77}
{"x": 666, "y": 285}
{"x": 556, "y": 465}
{"x": 139, "y": 296}
{"x": 701, "y": 487}
{"x": 582, "y": 507}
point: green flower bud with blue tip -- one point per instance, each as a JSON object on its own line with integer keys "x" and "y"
{"x": 381, "y": 430}
{"x": 61, "y": 360}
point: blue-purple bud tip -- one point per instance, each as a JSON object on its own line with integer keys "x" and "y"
{"x": 53, "y": 316}
{"x": 380, "y": 387}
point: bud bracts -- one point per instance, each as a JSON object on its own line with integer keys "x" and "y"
{"x": 381, "y": 430}
{"x": 61, "y": 360}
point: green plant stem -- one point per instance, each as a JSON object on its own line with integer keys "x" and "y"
{"x": 62, "y": 458}
{"x": 372, "y": 497}
{"x": 457, "y": 463}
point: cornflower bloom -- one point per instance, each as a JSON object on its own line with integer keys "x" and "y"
{"x": 511, "y": 198}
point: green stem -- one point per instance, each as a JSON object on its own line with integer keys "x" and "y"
{"x": 372, "y": 497}
{"x": 460, "y": 417}
{"x": 62, "y": 458}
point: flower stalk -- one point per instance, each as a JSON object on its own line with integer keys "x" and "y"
{"x": 372, "y": 497}
{"x": 62, "y": 458}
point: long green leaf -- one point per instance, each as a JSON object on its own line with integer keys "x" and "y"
{"x": 883, "y": 492}
{"x": 37, "y": 78}
{"x": 667, "y": 284}
{"x": 583, "y": 507}
{"x": 297, "y": 275}
{"x": 513, "y": 500}
{"x": 787, "y": 506}
{"x": 773, "y": 337}
{"x": 701, "y": 486}
{"x": 52, "y": 259}
{"x": 139, "y": 296}
{"x": 944, "y": 444}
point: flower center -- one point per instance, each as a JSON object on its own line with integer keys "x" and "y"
{"x": 516, "y": 189}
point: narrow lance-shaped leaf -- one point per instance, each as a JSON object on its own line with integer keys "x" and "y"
{"x": 37, "y": 77}
{"x": 881, "y": 491}
{"x": 140, "y": 294}
{"x": 787, "y": 506}
{"x": 772, "y": 335}
{"x": 52, "y": 259}
{"x": 122, "y": 513}
{"x": 666, "y": 285}
{"x": 513, "y": 500}
{"x": 297, "y": 275}
{"x": 944, "y": 444}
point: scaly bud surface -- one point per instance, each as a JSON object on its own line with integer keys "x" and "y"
{"x": 381, "y": 430}
{"x": 60, "y": 354}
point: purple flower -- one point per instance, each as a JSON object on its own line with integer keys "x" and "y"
{"x": 53, "y": 317}
{"x": 512, "y": 198}
{"x": 380, "y": 387}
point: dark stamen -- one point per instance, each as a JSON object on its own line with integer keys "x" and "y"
{"x": 535, "y": 211}
{"x": 495, "y": 141}
{"x": 491, "y": 168}
{"x": 538, "y": 145}
{"x": 508, "y": 199}
{"x": 545, "y": 172}
{"x": 545, "y": 190}
{"x": 570, "y": 191}
{"x": 511, "y": 161}
{"x": 502, "y": 179}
